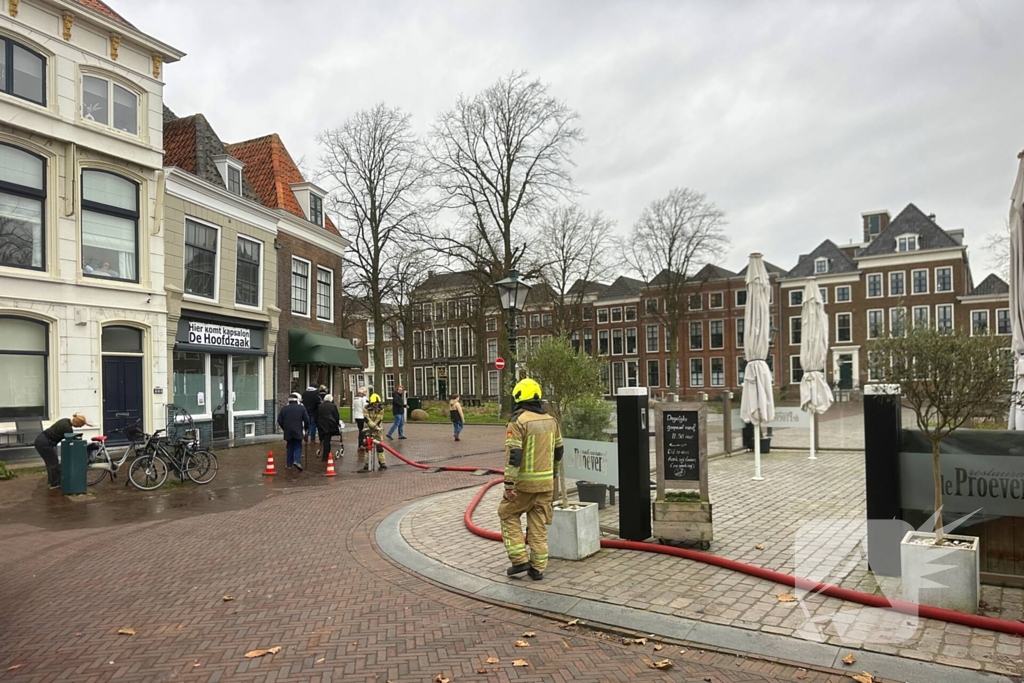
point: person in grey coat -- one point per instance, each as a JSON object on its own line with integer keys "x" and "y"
{"x": 294, "y": 422}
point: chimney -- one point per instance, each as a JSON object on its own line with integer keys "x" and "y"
{"x": 931, "y": 217}
{"x": 874, "y": 223}
{"x": 957, "y": 234}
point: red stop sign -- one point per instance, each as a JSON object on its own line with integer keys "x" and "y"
{"x": 499, "y": 363}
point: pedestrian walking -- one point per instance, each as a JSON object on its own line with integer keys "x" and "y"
{"x": 46, "y": 444}
{"x": 529, "y": 482}
{"x": 294, "y": 422}
{"x": 398, "y": 408}
{"x": 328, "y": 423}
{"x": 456, "y": 414}
{"x": 375, "y": 430}
{"x": 358, "y": 406}
{"x": 311, "y": 400}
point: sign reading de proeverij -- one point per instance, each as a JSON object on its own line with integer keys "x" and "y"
{"x": 596, "y": 461}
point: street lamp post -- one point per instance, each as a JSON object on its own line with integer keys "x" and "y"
{"x": 512, "y": 293}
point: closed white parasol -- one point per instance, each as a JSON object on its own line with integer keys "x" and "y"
{"x": 1017, "y": 294}
{"x": 758, "y": 405}
{"x": 815, "y": 394}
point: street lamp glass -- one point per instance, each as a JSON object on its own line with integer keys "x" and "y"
{"x": 512, "y": 292}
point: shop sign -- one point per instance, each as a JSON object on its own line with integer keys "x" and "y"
{"x": 784, "y": 417}
{"x": 596, "y": 461}
{"x": 206, "y": 334}
{"x": 994, "y": 483}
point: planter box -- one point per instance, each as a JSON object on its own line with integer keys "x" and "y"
{"x": 589, "y": 492}
{"x": 574, "y": 534}
{"x": 941, "y": 576}
{"x": 684, "y": 521}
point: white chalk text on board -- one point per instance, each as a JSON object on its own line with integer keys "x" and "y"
{"x": 681, "y": 442}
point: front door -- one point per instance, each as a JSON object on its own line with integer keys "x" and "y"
{"x": 845, "y": 371}
{"x": 219, "y": 396}
{"x": 442, "y": 389}
{"x": 122, "y": 393}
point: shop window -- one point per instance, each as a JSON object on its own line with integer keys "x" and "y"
{"x": 110, "y": 226}
{"x": 200, "y": 259}
{"x": 247, "y": 273}
{"x": 22, "y": 198}
{"x": 24, "y": 368}
{"x": 22, "y": 72}
{"x": 190, "y": 382}
{"x": 245, "y": 383}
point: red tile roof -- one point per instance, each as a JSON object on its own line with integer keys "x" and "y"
{"x": 104, "y": 9}
{"x": 271, "y": 171}
{"x": 180, "y": 144}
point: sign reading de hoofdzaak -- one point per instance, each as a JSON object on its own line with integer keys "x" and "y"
{"x": 206, "y": 334}
{"x": 596, "y": 461}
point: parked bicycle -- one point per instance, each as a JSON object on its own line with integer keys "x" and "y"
{"x": 101, "y": 463}
{"x": 149, "y": 471}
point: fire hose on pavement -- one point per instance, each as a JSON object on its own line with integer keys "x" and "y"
{"x": 814, "y": 587}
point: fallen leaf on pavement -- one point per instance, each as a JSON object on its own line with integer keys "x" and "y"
{"x": 849, "y": 659}
{"x": 196, "y": 665}
{"x": 14, "y": 667}
{"x": 864, "y": 677}
{"x": 441, "y": 679}
{"x": 660, "y": 664}
{"x": 78, "y": 635}
{"x": 493, "y": 660}
{"x": 634, "y": 641}
{"x": 320, "y": 661}
{"x": 759, "y": 546}
{"x": 520, "y": 662}
{"x": 571, "y": 622}
{"x": 522, "y": 643}
{"x": 227, "y": 598}
{"x": 529, "y": 634}
{"x": 259, "y": 653}
{"x": 657, "y": 648}
{"x": 567, "y": 646}
{"x": 786, "y": 597}
{"x": 126, "y": 632}
{"x": 481, "y": 671}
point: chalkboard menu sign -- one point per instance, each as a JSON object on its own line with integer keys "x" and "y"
{"x": 680, "y": 432}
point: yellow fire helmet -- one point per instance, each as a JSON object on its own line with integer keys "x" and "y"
{"x": 375, "y": 398}
{"x": 526, "y": 390}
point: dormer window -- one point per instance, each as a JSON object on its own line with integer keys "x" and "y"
{"x": 230, "y": 170}
{"x": 906, "y": 243}
{"x": 234, "y": 181}
{"x": 311, "y": 201}
{"x": 316, "y": 209}
{"x": 820, "y": 266}
{"x": 110, "y": 104}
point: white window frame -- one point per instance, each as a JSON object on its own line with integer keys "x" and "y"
{"x": 711, "y": 371}
{"x": 867, "y": 286}
{"x": 259, "y": 285}
{"x": 927, "y": 282}
{"x": 371, "y": 334}
{"x": 493, "y": 383}
{"x": 215, "y": 299}
{"x": 952, "y": 316}
{"x": 818, "y": 262}
{"x": 793, "y": 361}
{"x": 689, "y": 334}
{"x": 892, "y": 327}
{"x": 657, "y": 377}
{"x": 849, "y": 317}
{"x": 322, "y": 222}
{"x": 291, "y": 288}
{"x": 913, "y": 316}
{"x": 988, "y": 320}
{"x": 736, "y": 298}
{"x": 700, "y": 302}
{"x": 417, "y": 381}
{"x": 261, "y": 398}
{"x": 647, "y": 338}
{"x": 881, "y": 333}
{"x": 602, "y": 313}
{"x": 711, "y": 296}
{"x": 690, "y": 368}
{"x": 622, "y": 339}
{"x": 491, "y": 325}
{"x": 608, "y": 338}
{"x": 111, "y": 82}
{"x": 625, "y": 314}
{"x": 935, "y": 275}
{"x": 647, "y": 307}
{"x": 889, "y": 277}
{"x": 711, "y": 338}
{"x": 736, "y": 331}
{"x": 636, "y": 341}
{"x": 849, "y": 294}
{"x": 911, "y": 238}
{"x": 792, "y": 319}
{"x": 331, "y": 271}
{"x": 616, "y": 312}
{"x": 389, "y": 357}
{"x": 997, "y": 332}
{"x": 794, "y": 292}
{"x": 492, "y": 350}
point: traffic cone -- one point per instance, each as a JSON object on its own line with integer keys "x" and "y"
{"x": 330, "y": 465}
{"x": 270, "y": 464}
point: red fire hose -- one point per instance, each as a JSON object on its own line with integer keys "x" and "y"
{"x": 948, "y": 615}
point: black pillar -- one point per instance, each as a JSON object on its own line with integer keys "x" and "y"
{"x": 634, "y": 464}
{"x": 883, "y": 425}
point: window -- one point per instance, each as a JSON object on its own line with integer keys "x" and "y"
{"x": 668, "y": 340}
{"x": 234, "y": 181}
{"x": 602, "y": 342}
{"x": 695, "y": 302}
{"x": 386, "y": 329}
{"x": 944, "y": 317}
{"x": 873, "y": 373}
{"x": 796, "y": 297}
{"x": 22, "y": 72}
{"x": 97, "y": 96}
{"x": 371, "y": 333}
{"x": 716, "y": 300}
{"x": 300, "y": 291}
{"x": 820, "y": 266}
{"x": 588, "y": 313}
{"x": 22, "y": 197}
{"x": 189, "y": 380}
{"x": 492, "y": 383}
{"x": 325, "y": 295}
{"x": 944, "y": 279}
{"x": 741, "y": 298}
{"x": 247, "y": 272}
{"x": 389, "y": 357}
{"x": 844, "y": 327}
{"x": 696, "y": 336}
{"x": 874, "y": 285}
{"x": 417, "y": 313}
{"x": 417, "y": 345}
{"x": 389, "y": 381}
{"x": 906, "y": 243}
{"x": 631, "y": 341}
{"x": 921, "y": 317}
{"x": 24, "y": 368}
{"x": 632, "y": 373}
{"x": 716, "y": 330}
{"x": 1003, "y": 321}
{"x": 740, "y": 326}
{"x": 535, "y": 342}
{"x": 200, "y": 259}
{"x": 616, "y": 315}
{"x": 546, "y": 321}
{"x": 616, "y": 342}
{"x": 245, "y": 383}
{"x": 588, "y": 342}
{"x": 696, "y": 372}
{"x": 492, "y": 325}
{"x": 602, "y": 315}
{"x": 919, "y": 281}
{"x": 718, "y": 372}
{"x": 876, "y": 323}
{"x": 110, "y": 222}
{"x": 652, "y": 339}
{"x": 652, "y": 373}
{"x": 492, "y": 350}
{"x": 898, "y": 321}
{"x": 535, "y": 320}
{"x": 842, "y": 294}
{"x": 979, "y": 322}
{"x": 439, "y": 314}
{"x": 466, "y": 339}
{"x": 574, "y": 340}
{"x": 651, "y": 306}
{"x": 796, "y": 371}
{"x": 897, "y": 285}
{"x": 316, "y": 209}
{"x": 618, "y": 378}
{"x": 795, "y": 324}
{"x": 874, "y": 224}
{"x": 630, "y": 313}
{"x": 823, "y": 293}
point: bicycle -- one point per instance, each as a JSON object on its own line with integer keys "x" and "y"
{"x": 149, "y": 471}
{"x": 100, "y": 461}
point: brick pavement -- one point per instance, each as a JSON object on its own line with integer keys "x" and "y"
{"x": 297, "y": 556}
{"x": 828, "y": 495}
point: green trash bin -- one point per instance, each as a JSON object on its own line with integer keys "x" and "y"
{"x": 415, "y": 403}
{"x": 74, "y": 461}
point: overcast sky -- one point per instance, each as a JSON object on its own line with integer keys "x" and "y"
{"x": 793, "y": 117}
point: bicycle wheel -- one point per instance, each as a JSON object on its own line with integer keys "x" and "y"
{"x": 148, "y": 472}
{"x": 201, "y": 466}
{"x": 99, "y": 465}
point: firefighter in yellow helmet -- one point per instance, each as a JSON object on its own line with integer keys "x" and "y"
{"x": 374, "y": 428}
{"x": 533, "y": 449}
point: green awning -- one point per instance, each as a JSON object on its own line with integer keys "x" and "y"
{"x": 321, "y": 349}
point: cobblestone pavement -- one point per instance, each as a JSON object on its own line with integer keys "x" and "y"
{"x": 296, "y": 556}
{"x": 818, "y": 504}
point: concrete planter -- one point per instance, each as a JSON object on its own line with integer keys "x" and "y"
{"x": 574, "y": 534}
{"x": 957, "y": 586}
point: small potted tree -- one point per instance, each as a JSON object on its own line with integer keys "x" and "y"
{"x": 945, "y": 379}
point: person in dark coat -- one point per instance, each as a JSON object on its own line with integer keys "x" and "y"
{"x": 46, "y": 445}
{"x": 294, "y": 422}
{"x": 398, "y": 408}
{"x": 311, "y": 400}
{"x": 329, "y": 425}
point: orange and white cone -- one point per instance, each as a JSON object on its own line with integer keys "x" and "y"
{"x": 330, "y": 465}
{"x": 270, "y": 464}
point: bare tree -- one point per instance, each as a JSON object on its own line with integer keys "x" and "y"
{"x": 574, "y": 249}
{"x": 407, "y": 271}
{"x": 998, "y": 247}
{"x": 673, "y": 239}
{"x": 375, "y": 166}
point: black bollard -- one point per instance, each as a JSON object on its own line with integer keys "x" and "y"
{"x": 634, "y": 464}
{"x": 883, "y": 426}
